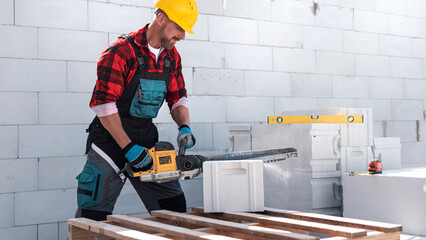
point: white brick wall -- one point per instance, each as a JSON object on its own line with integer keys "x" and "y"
{"x": 247, "y": 59}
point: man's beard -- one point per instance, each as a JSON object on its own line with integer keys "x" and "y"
{"x": 167, "y": 43}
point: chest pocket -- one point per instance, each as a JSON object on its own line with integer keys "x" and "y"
{"x": 148, "y": 98}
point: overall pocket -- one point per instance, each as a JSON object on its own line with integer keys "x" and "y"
{"x": 89, "y": 185}
{"x": 148, "y": 98}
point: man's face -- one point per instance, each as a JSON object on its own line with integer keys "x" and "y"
{"x": 170, "y": 33}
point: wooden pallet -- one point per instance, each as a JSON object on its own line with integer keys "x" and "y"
{"x": 270, "y": 224}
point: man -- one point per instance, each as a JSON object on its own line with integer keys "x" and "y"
{"x": 135, "y": 75}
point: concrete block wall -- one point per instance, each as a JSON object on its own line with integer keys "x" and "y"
{"x": 248, "y": 59}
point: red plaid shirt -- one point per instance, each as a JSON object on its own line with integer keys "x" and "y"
{"x": 118, "y": 64}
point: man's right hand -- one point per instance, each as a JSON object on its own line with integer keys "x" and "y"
{"x": 137, "y": 155}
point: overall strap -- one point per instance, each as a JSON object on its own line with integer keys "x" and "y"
{"x": 139, "y": 56}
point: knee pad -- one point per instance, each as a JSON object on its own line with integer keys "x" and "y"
{"x": 176, "y": 204}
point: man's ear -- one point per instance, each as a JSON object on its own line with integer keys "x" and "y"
{"x": 161, "y": 19}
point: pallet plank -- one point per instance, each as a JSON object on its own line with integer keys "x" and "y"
{"x": 164, "y": 228}
{"x": 229, "y": 226}
{"x": 372, "y": 236}
{"x": 343, "y": 221}
{"x": 298, "y": 224}
{"x": 111, "y": 230}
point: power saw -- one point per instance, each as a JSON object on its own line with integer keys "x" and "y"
{"x": 167, "y": 166}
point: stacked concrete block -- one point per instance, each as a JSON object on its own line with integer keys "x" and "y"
{"x": 395, "y": 196}
{"x": 388, "y": 150}
{"x": 240, "y": 138}
{"x": 233, "y": 186}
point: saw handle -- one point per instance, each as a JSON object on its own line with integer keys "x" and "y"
{"x": 182, "y": 147}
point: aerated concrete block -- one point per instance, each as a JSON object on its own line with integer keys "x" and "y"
{"x": 381, "y": 108}
{"x": 407, "y": 110}
{"x": 414, "y": 89}
{"x": 218, "y": 82}
{"x": 273, "y": 83}
{"x": 322, "y": 39}
{"x": 18, "y": 175}
{"x": 359, "y": 4}
{"x": 21, "y": 108}
{"x": 363, "y": 20}
{"x": 246, "y": 57}
{"x": 360, "y": 42}
{"x": 406, "y": 67}
{"x": 221, "y": 136}
{"x": 406, "y": 26}
{"x": 240, "y": 138}
{"x": 232, "y": 30}
{"x": 334, "y": 17}
{"x": 52, "y": 14}
{"x": 77, "y": 108}
{"x": 350, "y": 87}
{"x": 368, "y": 65}
{"x": 70, "y": 44}
{"x": 48, "y": 231}
{"x": 280, "y": 34}
{"x": 416, "y": 8}
{"x": 387, "y": 88}
{"x": 194, "y": 54}
{"x": 421, "y": 137}
{"x": 140, "y": 3}
{"x": 24, "y": 42}
{"x": 413, "y": 154}
{"x": 193, "y": 190}
{"x": 289, "y": 11}
{"x": 233, "y": 186}
{"x": 103, "y": 16}
{"x": 19, "y": 233}
{"x": 49, "y": 179}
{"x": 7, "y": 217}
{"x": 9, "y": 140}
{"x": 33, "y": 207}
{"x": 395, "y": 46}
{"x": 201, "y": 29}
{"x": 355, "y": 159}
{"x": 81, "y": 76}
{"x": 248, "y": 9}
{"x": 335, "y": 63}
{"x": 388, "y": 150}
{"x": 7, "y": 12}
{"x": 292, "y": 104}
{"x": 216, "y": 112}
{"x": 398, "y": 7}
{"x": 294, "y": 60}
{"x": 395, "y": 196}
{"x": 248, "y": 109}
{"x": 406, "y": 130}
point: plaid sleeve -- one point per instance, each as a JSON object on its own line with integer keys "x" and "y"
{"x": 113, "y": 67}
{"x": 176, "y": 88}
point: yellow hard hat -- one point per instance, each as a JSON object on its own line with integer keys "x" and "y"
{"x": 183, "y": 12}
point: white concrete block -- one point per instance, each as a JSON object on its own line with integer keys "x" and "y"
{"x": 31, "y": 207}
{"x": 360, "y": 42}
{"x": 81, "y": 76}
{"x": 392, "y": 188}
{"x": 240, "y": 138}
{"x": 413, "y": 154}
{"x": 188, "y": 75}
{"x": 232, "y": 30}
{"x": 336, "y": 103}
{"x": 369, "y": 65}
{"x": 210, "y": 7}
{"x": 358, "y": 4}
{"x": 260, "y": 9}
{"x": 421, "y": 131}
{"x": 334, "y": 17}
{"x": 323, "y": 193}
{"x": 221, "y": 136}
{"x": 208, "y": 109}
{"x": 18, "y": 75}
{"x": 63, "y": 230}
{"x": 257, "y": 83}
{"x": 21, "y": 108}
{"x": 382, "y": 109}
{"x": 65, "y": 178}
{"x": 280, "y": 34}
{"x": 379, "y": 129}
{"x": 193, "y": 190}
{"x": 50, "y": 140}
{"x": 322, "y": 39}
{"x": 18, "y": 175}
{"x": 48, "y": 231}
{"x": 311, "y": 85}
{"x": 201, "y": 29}
{"x": 164, "y": 115}
{"x": 324, "y": 141}
{"x": 289, "y": 11}
{"x": 292, "y": 104}
{"x": 194, "y": 54}
{"x": 406, "y": 26}
{"x": 416, "y": 8}
{"x": 424, "y": 68}
{"x": 71, "y": 44}
{"x": 52, "y": 14}
{"x": 395, "y": 46}
{"x": 233, "y": 186}
{"x": 355, "y": 159}
{"x": 74, "y": 108}
{"x": 103, "y": 17}
{"x": 363, "y": 20}
{"x": 418, "y": 47}
{"x": 24, "y": 42}
{"x": 388, "y": 150}
{"x": 247, "y": 57}
{"x": 294, "y": 60}
{"x": 140, "y": 3}
{"x": 19, "y": 233}
{"x": 168, "y": 132}
{"x": 218, "y": 82}
{"x": 386, "y": 88}
{"x": 405, "y": 67}
{"x": 406, "y": 130}
{"x": 335, "y": 63}
{"x": 407, "y": 110}
{"x": 357, "y": 135}
{"x": 248, "y": 109}
{"x": 203, "y": 132}
{"x": 350, "y": 87}
{"x": 7, "y": 217}
{"x": 9, "y": 140}
{"x": 7, "y": 12}
{"x": 395, "y": 7}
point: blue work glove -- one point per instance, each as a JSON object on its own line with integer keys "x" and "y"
{"x": 186, "y": 133}
{"x": 137, "y": 155}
